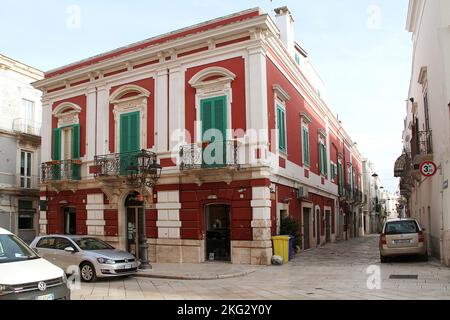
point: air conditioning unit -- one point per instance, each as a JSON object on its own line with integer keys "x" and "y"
{"x": 302, "y": 192}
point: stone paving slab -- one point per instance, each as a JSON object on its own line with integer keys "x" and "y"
{"x": 202, "y": 271}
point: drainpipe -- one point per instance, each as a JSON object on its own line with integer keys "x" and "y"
{"x": 96, "y": 124}
{"x": 441, "y": 240}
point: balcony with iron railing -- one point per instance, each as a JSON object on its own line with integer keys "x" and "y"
{"x": 117, "y": 164}
{"x": 24, "y": 126}
{"x": 61, "y": 170}
{"x": 421, "y": 147}
{"x": 209, "y": 155}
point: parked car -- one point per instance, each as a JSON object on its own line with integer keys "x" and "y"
{"x": 94, "y": 257}
{"x": 402, "y": 237}
{"x": 24, "y": 275}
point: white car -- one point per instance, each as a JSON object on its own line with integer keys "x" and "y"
{"x": 26, "y": 276}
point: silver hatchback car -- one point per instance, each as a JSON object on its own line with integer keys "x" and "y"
{"x": 94, "y": 257}
{"x": 401, "y": 237}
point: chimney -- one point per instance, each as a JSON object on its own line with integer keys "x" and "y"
{"x": 285, "y": 23}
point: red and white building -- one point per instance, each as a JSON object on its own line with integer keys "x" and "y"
{"x": 236, "y": 88}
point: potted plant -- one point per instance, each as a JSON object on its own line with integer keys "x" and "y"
{"x": 289, "y": 226}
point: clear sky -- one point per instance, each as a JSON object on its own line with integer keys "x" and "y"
{"x": 359, "y": 47}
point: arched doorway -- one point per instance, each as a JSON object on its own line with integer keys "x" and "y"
{"x": 133, "y": 210}
{"x": 218, "y": 235}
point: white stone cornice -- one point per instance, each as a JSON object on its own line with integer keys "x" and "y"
{"x": 192, "y": 39}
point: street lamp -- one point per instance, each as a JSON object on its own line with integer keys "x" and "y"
{"x": 145, "y": 174}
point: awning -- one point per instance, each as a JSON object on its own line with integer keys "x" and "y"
{"x": 400, "y": 164}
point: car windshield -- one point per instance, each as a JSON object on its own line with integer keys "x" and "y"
{"x": 401, "y": 227}
{"x": 12, "y": 249}
{"x": 92, "y": 244}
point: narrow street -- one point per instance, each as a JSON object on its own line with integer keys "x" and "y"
{"x": 336, "y": 271}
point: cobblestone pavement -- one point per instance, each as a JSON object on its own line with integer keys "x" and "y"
{"x": 335, "y": 271}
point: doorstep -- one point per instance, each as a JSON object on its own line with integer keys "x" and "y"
{"x": 197, "y": 271}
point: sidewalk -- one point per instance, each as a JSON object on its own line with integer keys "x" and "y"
{"x": 198, "y": 271}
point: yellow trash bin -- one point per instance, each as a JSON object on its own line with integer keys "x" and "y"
{"x": 281, "y": 247}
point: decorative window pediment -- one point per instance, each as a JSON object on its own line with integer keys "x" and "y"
{"x": 67, "y": 114}
{"x": 127, "y": 93}
{"x": 281, "y": 93}
{"x": 130, "y": 99}
{"x": 305, "y": 117}
{"x": 322, "y": 133}
{"x": 212, "y": 79}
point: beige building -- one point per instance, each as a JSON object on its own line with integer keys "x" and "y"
{"x": 21, "y": 111}
{"x": 427, "y": 125}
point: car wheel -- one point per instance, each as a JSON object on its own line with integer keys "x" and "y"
{"x": 383, "y": 259}
{"x": 87, "y": 272}
{"x": 424, "y": 257}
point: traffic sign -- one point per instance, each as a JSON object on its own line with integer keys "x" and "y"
{"x": 428, "y": 168}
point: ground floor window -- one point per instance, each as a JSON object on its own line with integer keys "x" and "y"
{"x": 26, "y": 215}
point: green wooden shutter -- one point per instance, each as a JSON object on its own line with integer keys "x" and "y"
{"x": 76, "y": 142}
{"x": 214, "y": 116}
{"x": 220, "y": 123}
{"x": 305, "y": 146}
{"x": 129, "y": 140}
{"x": 320, "y": 159}
{"x": 76, "y": 170}
{"x": 325, "y": 160}
{"x": 281, "y": 124}
{"x": 57, "y": 144}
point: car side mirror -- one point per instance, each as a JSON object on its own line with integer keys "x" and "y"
{"x": 69, "y": 249}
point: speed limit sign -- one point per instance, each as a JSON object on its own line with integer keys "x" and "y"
{"x": 428, "y": 168}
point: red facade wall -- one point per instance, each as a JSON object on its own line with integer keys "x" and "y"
{"x": 294, "y": 107}
{"x": 237, "y": 195}
{"x": 56, "y": 204}
{"x": 82, "y": 102}
{"x": 295, "y": 206}
{"x": 148, "y": 84}
{"x": 238, "y": 118}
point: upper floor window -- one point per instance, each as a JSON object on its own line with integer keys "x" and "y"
{"x": 333, "y": 172}
{"x": 25, "y": 169}
{"x": 27, "y": 111}
{"x": 340, "y": 177}
{"x": 281, "y": 126}
{"x": 305, "y": 145}
{"x": 66, "y": 143}
{"x": 323, "y": 162}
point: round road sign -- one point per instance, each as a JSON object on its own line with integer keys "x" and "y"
{"x": 428, "y": 168}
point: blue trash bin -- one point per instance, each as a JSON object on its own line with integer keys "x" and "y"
{"x": 291, "y": 248}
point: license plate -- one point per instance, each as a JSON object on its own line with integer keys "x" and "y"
{"x": 402, "y": 241}
{"x": 50, "y": 296}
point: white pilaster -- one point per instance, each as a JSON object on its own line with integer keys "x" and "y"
{"x": 176, "y": 108}
{"x": 95, "y": 215}
{"x": 103, "y": 121}
{"x": 43, "y": 222}
{"x": 90, "y": 123}
{"x": 47, "y": 136}
{"x": 261, "y": 222}
{"x": 161, "y": 111}
{"x": 168, "y": 207}
{"x": 257, "y": 104}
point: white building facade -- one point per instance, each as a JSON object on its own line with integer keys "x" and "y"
{"x": 427, "y": 125}
{"x": 21, "y": 111}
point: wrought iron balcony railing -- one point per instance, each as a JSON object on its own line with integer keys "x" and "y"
{"x": 116, "y": 164}
{"x": 61, "y": 170}
{"x": 24, "y": 126}
{"x": 217, "y": 154}
{"x": 421, "y": 143}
